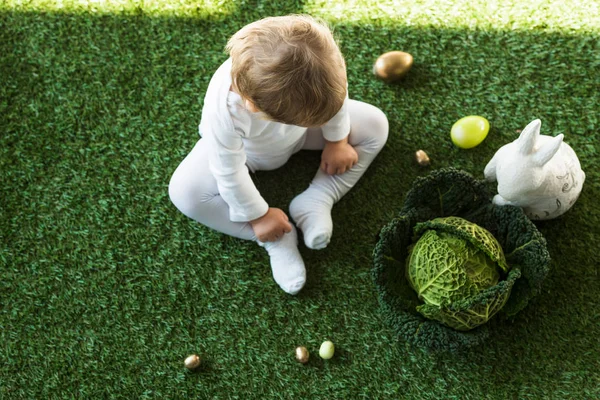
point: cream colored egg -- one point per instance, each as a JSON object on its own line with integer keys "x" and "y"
{"x": 327, "y": 349}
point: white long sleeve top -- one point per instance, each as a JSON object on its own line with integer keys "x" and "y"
{"x": 236, "y": 134}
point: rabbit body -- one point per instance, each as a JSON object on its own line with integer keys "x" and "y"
{"x": 539, "y": 173}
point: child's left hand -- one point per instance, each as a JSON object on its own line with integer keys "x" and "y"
{"x": 338, "y": 157}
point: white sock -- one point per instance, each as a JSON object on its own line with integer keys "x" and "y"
{"x": 311, "y": 210}
{"x": 286, "y": 262}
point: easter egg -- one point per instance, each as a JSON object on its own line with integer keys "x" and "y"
{"x": 468, "y": 132}
{"x": 392, "y": 65}
{"x": 422, "y": 158}
{"x": 302, "y": 354}
{"x": 192, "y": 362}
{"x": 327, "y": 349}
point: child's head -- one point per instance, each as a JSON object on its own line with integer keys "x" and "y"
{"x": 290, "y": 68}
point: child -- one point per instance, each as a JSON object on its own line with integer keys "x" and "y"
{"x": 282, "y": 90}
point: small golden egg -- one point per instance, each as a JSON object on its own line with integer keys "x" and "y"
{"x": 422, "y": 158}
{"x": 192, "y": 361}
{"x": 302, "y": 354}
{"x": 392, "y": 65}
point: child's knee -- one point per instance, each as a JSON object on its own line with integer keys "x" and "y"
{"x": 375, "y": 126}
{"x": 380, "y": 125}
{"x": 185, "y": 194}
{"x": 178, "y": 193}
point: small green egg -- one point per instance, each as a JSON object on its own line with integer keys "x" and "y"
{"x": 327, "y": 349}
{"x": 468, "y": 132}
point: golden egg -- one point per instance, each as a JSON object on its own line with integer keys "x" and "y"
{"x": 422, "y": 158}
{"x": 302, "y": 354}
{"x": 392, "y": 65}
{"x": 192, "y": 362}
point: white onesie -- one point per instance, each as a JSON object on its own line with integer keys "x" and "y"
{"x": 212, "y": 184}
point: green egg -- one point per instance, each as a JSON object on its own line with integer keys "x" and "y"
{"x": 468, "y": 132}
{"x": 327, "y": 349}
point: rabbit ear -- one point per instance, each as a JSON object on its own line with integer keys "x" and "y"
{"x": 545, "y": 154}
{"x": 529, "y": 136}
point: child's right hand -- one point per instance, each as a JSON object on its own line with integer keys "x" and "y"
{"x": 271, "y": 226}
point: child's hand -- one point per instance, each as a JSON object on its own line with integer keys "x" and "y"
{"x": 338, "y": 157}
{"x": 271, "y": 226}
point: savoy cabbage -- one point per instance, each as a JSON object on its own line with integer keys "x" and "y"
{"x": 519, "y": 252}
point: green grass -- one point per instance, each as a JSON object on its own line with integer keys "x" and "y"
{"x": 105, "y": 287}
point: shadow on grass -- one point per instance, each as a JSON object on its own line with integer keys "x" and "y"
{"x": 98, "y": 111}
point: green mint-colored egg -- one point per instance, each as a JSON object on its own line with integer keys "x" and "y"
{"x": 468, "y": 132}
{"x": 327, "y": 349}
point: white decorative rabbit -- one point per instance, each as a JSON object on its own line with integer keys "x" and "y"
{"x": 539, "y": 173}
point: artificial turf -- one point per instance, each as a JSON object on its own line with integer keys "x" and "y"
{"x": 105, "y": 287}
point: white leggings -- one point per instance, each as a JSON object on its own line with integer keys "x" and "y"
{"x": 193, "y": 189}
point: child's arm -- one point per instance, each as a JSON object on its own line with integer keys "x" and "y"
{"x": 227, "y": 162}
{"x": 338, "y": 155}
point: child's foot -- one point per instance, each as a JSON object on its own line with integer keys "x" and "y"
{"x": 286, "y": 262}
{"x": 311, "y": 210}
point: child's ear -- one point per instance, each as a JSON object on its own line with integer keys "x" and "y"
{"x": 250, "y": 106}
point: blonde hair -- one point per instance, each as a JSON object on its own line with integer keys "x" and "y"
{"x": 290, "y": 67}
